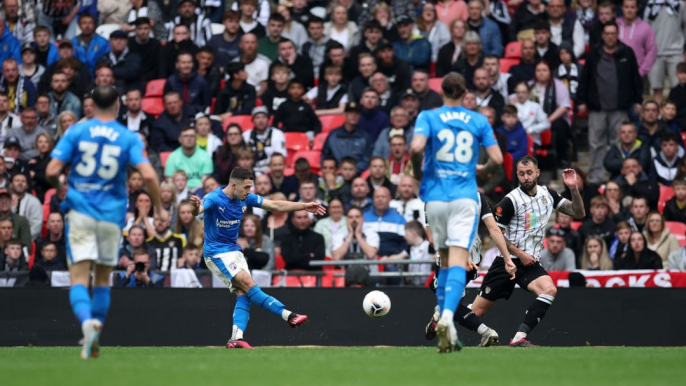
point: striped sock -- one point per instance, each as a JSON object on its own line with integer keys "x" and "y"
{"x": 535, "y": 313}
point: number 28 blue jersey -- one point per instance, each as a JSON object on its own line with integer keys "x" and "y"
{"x": 454, "y": 137}
{"x": 99, "y": 153}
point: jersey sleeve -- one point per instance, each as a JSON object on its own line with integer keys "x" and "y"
{"x": 254, "y": 200}
{"x": 485, "y": 208}
{"x": 504, "y": 212}
{"x": 422, "y": 126}
{"x": 487, "y": 135}
{"x": 65, "y": 148}
{"x": 558, "y": 200}
{"x": 208, "y": 201}
{"x": 136, "y": 149}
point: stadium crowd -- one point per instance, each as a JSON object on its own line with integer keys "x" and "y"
{"x": 319, "y": 99}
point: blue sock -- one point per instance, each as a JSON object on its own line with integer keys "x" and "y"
{"x": 440, "y": 287}
{"x": 80, "y": 302}
{"x": 241, "y": 312}
{"x": 457, "y": 279}
{"x": 265, "y": 301}
{"x": 100, "y": 303}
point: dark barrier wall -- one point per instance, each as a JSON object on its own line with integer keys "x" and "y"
{"x": 180, "y": 317}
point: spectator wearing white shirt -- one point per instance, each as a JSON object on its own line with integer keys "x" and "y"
{"x": 256, "y": 65}
{"x": 530, "y": 114}
{"x": 264, "y": 139}
{"x": 357, "y": 243}
{"x": 333, "y": 226}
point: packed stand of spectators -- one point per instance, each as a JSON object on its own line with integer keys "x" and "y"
{"x": 320, "y": 99}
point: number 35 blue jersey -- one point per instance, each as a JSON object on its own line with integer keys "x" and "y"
{"x": 454, "y": 136}
{"x": 99, "y": 154}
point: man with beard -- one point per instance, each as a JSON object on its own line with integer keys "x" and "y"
{"x": 428, "y": 98}
{"x": 397, "y": 71}
{"x": 133, "y": 117}
{"x": 486, "y": 95}
{"x": 89, "y": 46}
{"x": 198, "y": 25}
{"x": 192, "y": 87}
{"x": 256, "y": 65}
{"x": 60, "y": 98}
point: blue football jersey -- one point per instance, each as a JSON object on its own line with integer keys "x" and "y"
{"x": 223, "y": 220}
{"x": 99, "y": 153}
{"x": 454, "y": 137}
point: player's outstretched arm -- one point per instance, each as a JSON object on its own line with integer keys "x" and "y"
{"x": 495, "y": 156}
{"x": 288, "y": 206}
{"x": 417, "y": 155}
{"x": 196, "y": 202}
{"x": 576, "y": 207}
{"x": 53, "y": 171}
{"x": 500, "y": 242}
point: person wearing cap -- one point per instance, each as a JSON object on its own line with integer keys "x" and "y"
{"x": 164, "y": 135}
{"x": 188, "y": 157}
{"x": 198, "y": 24}
{"x": 397, "y": 72}
{"x": 20, "y": 27}
{"x": 557, "y": 257}
{"x": 20, "y": 225}
{"x": 410, "y": 102}
{"x": 9, "y": 45}
{"x": 8, "y": 120}
{"x": 146, "y": 9}
{"x": 147, "y": 48}
{"x": 238, "y": 97}
{"x": 21, "y": 90}
{"x": 193, "y": 88}
{"x": 89, "y": 46}
{"x": 414, "y": 50}
{"x": 349, "y": 141}
{"x": 125, "y": 64}
{"x": 29, "y": 69}
{"x": 264, "y": 139}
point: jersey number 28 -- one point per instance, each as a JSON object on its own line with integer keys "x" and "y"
{"x": 462, "y": 151}
{"x": 109, "y": 164}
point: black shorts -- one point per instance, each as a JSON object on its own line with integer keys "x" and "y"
{"x": 497, "y": 283}
{"x": 471, "y": 275}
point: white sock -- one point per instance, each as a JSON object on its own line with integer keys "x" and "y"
{"x": 519, "y": 335}
{"x": 237, "y": 333}
{"x": 482, "y": 329}
{"x": 285, "y": 314}
{"x": 448, "y": 315}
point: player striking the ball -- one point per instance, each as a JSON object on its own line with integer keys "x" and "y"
{"x": 99, "y": 151}
{"x": 452, "y": 136}
{"x": 224, "y": 209}
{"x": 523, "y": 217}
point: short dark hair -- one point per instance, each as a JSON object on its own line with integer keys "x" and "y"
{"x": 611, "y": 23}
{"x": 314, "y": 19}
{"x": 241, "y": 174}
{"x": 18, "y": 174}
{"x": 302, "y": 165}
{"x": 526, "y": 160}
{"x": 296, "y": 81}
{"x": 231, "y": 15}
{"x": 416, "y": 227}
{"x": 330, "y": 158}
{"x": 509, "y": 110}
{"x": 182, "y": 53}
{"x": 142, "y": 21}
{"x": 453, "y": 86}
{"x": 206, "y": 49}
{"x": 276, "y": 17}
{"x": 349, "y": 160}
{"x": 187, "y": 128}
{"x": 669, "y": 136}
{"x": 86, "y": 15}
{"x": 351, "y": 208}
{"x": 48, "y": 243}
{"x": 286, "y": 40}
{"x": 234, "y": 68}
{"x": 541, "y": 26}
{"x": 105, "y": 97}
{"x": 374, "y": 24}
{"x": 681, "y": 68}
{"x": 14, "y": 241}
{"x": 190, "y": 247}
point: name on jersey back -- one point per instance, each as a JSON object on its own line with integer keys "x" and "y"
{"x": 104, "y": 131}
{"x": 455, "y": 115}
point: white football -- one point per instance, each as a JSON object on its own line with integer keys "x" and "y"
{"x": 376, "y": 304}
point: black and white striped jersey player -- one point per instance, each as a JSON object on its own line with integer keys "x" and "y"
{"x": 463, "y": 315}
{"x": 523, "y": 216}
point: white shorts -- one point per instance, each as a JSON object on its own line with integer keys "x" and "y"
{"x": 454, "y": 223}
{"x": 90, "y": 239}
{"x": 226, "y": 266}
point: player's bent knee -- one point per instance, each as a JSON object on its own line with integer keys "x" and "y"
{"x": 550, "y": 290}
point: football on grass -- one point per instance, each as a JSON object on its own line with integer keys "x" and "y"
{"x": 376, "y": 304}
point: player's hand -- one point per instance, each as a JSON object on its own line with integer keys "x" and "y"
{"x": 315, "y": 208}
{"x": 511, "y": 268}
{"x": 471, "y": 266}
{"x": 527, "y": 260}
{"x": 569, "y": 177}
{"x": 196, "y": 201}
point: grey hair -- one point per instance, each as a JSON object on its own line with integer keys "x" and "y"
{"x": 472, "y": 37}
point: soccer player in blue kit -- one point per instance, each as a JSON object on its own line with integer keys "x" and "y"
{"x": 224, "y": 209}
{"x": 99, "y": 151}
{"x": 452, "y": 136}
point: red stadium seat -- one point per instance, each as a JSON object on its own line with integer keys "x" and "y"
{"x": 295, "y": 281}
{"x": 530, "y": 149}
{"x": 683, "y": 137}
{"x": 678, "y": 229}
{"x": 312, "y": 156}
{"x": 365, "y": 174}
{"x": 244, "y": 121}
{"x": 330, "y": 280}
{"x": 330, "y": 122}
{"x": 279, "y": 263}
{"x": 288, "y": 171}
{"x": 513, "y": 50}
{"x": 666, "y": 193}
{"x": 48, "y": 195}
{"x": 155, "y": 88}
{"x": 46, "y": 213}
{"x": 508, "y": 164}
{"x": 319, "y": 141}
{"x": 163, "y": 157}
{"x": 505, "y": 64}
{"x": 297, "y": 141}
{"x": 32, "y": 254}
{"x": 435, "y": 84}
{"x": 575, "y": 225}
{"x": 153, "y": 105}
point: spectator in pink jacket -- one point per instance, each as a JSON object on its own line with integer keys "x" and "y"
{"x": 638, "y": 35}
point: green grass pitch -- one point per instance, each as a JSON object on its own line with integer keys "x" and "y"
{"x": 198, "y": 366}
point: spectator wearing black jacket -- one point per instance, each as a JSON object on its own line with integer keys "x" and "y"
{"x": 300, "y": 66}
{"x": 335, "y": 54}
{"x": 181, "y": 42}
{"x": 370, "y": 42}
{"x": 608, "y": 87}
{"x": 79, "y": 77}
{"x": 166, "y": 129}
{"x": 635, "y": 182}
{"x": 545, "y": 49}
{"x": 675, "y": 209}
{"x": 367, "y": 68}
{"x": 629, "y": 146}
{"x": 133, "y": 116}
{"x": 678, "y": 94}
{"x": 296, "y": 115}
{"x": 125, "y": 64}
{"x": 524, "y": 71}
{"x": 238, "y": 97}
{"x": 397, "y": 71}
{"x": 303, "y": 244}
{"x": 193, "y": 88}
{"x": 637, "y": 255}
{"x": 147, "y": 49}
{"x": 526, "y": 15}
{"x": 599, "y": 225}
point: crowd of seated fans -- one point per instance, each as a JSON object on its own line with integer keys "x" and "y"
{"x": 319, "y": 99}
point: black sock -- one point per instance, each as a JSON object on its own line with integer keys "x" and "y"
{"x": 291, "y": 316}
{"x": 535, "y": 313}
{"x": 466, "y": 318}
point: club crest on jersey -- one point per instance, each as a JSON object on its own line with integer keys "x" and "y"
{"x": 544, "y": 201}
{"x": 243, "y": 208}
{"x": 488, "y": 290}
